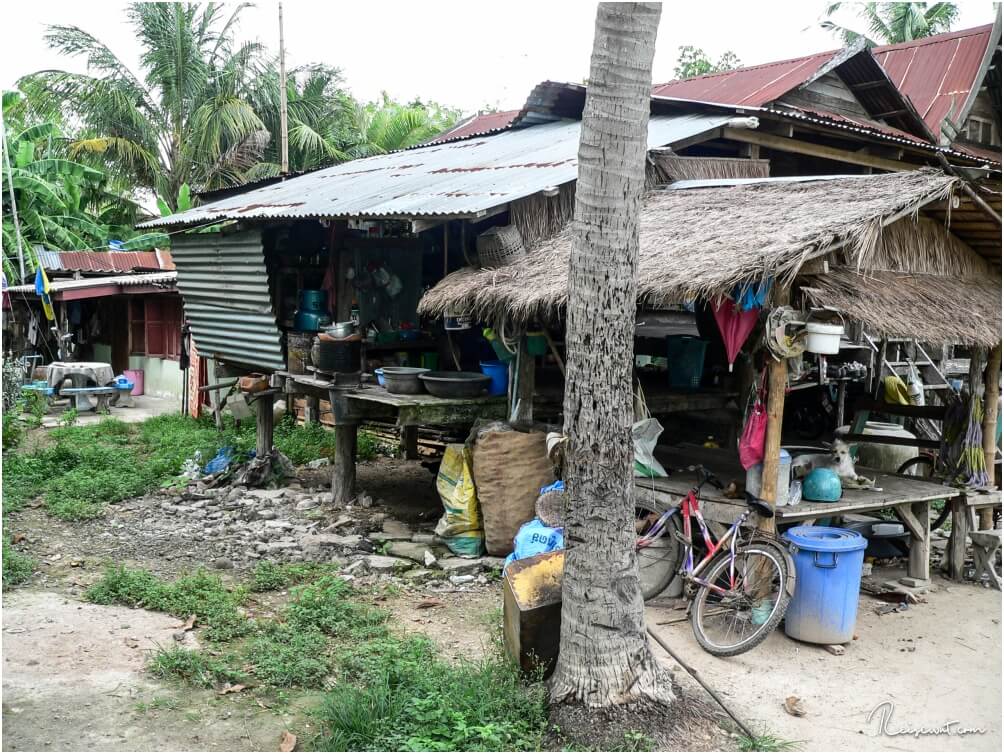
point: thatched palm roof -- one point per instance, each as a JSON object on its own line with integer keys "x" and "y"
{"x": 702, "y": 242}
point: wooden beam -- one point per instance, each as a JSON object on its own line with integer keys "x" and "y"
{"x": 868, "y": 85}
{"x": 796, "y": 146}
{"x": 889, "y": 113}
{"x": 936, "y": 413}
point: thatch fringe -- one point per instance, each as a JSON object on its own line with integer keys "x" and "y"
{"x": 676, "y": 168}
{"x": 701, "y": 243}
{"x": 895, "y": 248}
{"x": 932, "y": 308}
{"x": 540, "y": 217}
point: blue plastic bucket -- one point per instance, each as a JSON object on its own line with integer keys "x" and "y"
{"x": 828, "y": 580}
{"x": 499, "y": 372}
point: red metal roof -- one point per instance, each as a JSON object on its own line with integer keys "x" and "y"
{"x": 477, "y": 125}
{"x": 753, "y": 86}
{"x": 937, "y": 71}
{"x": 105, "y": 261}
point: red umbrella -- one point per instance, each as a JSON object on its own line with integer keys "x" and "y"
{"x": 735, "y": 325}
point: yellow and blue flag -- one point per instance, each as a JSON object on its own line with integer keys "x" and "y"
{"x": 42, "y": 291}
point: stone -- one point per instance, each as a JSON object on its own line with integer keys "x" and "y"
{"x": 330, "y": 540}
{"x": 386, "y": 564}
{"x": 418, "y": 574}
{"x": 283, "y": 545}
{"x": 306, "y": 505}
{"x": 491, "y": 562}
{"x": 265, "y": 515}
{"x": 409, "y": 550}
{"x": 364, "y": 500}
{"x": 382, "y": 536}
{"x": 393, "y": 526}
{"x": 326, "y": 498}
{"x": 461, "y": 566}
{"x": 222, "y": 564}
{"x": 429, "y": 558}
{"x": 268, "y": 494}
{"x": 318, "y": 463}
{"x": 284, "y": 525}
{"x": 424, "y": 538}
{"x": 464, "y": 579}
{"x": 342, "y": 521}
{"x": 355, "y": 565}
{"x": 917, "y": 585}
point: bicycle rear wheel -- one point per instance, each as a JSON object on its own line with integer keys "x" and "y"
{"x": 757, "y": 595}
{"x": 659, "y": 561}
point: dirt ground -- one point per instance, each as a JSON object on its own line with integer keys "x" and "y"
{"x": 938, "y": 662}
{"x": 74, "y": 678}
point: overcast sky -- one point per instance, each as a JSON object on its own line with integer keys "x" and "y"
{"x": 470, "y": 55}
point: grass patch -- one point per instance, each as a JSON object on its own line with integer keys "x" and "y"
{"x": 194, "y": 667}
{"x": 285, "y": 656}
{"x": 269, "y": 576}
{"x": 201, "y": 594}
{"x": 17, "y": 567}
{"x": 86, "y": 467}
{"x": 766, "y": 741}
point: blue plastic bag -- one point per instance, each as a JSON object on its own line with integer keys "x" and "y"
{"x": 533, "y": 538}
{"x": 223, "y": 458}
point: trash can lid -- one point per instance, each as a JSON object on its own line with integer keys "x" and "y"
{"x": 825, "y": 539}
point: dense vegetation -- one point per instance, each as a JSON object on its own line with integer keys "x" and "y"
{"x": 384, "y": 692}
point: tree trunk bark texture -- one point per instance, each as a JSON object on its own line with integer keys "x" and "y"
{"x": 605, "y": 657}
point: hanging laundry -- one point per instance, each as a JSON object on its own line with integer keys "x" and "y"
{"x": 752, "y": 295}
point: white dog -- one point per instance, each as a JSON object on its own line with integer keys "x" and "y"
{"x": 839, "y": 459}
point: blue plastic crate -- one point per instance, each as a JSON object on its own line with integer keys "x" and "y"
{"x": 685, "y": 355}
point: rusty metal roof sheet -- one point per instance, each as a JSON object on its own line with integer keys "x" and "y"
{"x": 458, "y": 179}
{"x": 937, "y": 73}
{"x": 752, "y": 86}
{"x": 478, "y": 125}
{"x": 166, "y": 279}
{"x": 99, "y": 261}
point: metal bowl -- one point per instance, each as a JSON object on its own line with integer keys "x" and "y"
{"x": 340, "y": 329}
{"x": 455, "y": 384}
{"x": 403, "y": 380}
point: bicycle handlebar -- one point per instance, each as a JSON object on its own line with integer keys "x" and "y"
{"x": 705, "y": 477}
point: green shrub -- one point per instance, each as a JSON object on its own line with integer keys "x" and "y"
{"x": 269, "y": 576}
{"x": 324, "y": 606}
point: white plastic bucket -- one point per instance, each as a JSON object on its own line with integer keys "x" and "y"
{"x": 823, "y": 338}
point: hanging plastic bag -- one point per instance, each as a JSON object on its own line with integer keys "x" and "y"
{"x": 460, "y": 527}
{"x": 915, "y": 386}
{"x": 645, "y": 435}
{"x": 754, "y": 432}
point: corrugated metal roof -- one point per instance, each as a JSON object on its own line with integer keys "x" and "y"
{"x": 937, "y": 72}
{"x": 99, "y": 261}
{"x": 477, "y": 125}
{"x": 753, "y": 86}
{"x": 57, "y": 286}
{"x": 462, "y": 178}
{"x": 224, "y": 282}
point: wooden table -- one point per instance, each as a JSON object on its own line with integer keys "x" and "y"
{"x": 351, "y": 406}
{"x": 965, "y": 507}
{"x": 911, "y": 498}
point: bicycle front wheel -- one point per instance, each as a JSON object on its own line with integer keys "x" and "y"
{"x": 749, "y": 600}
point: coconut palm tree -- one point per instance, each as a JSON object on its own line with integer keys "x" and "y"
{"x": 186, "y": 117}
{"x": 892, "y": 23}
{"x": 386, "y": 126}
{"x": 604, "y": 656}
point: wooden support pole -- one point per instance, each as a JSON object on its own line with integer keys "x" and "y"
{"x": 991, "y": 407}
{"x": 311, "y": 410}
{"x": 777, "y": 380}
{"x": 265, "y": 423}
{"x": 522, "y": 400}
{"x": 409, "y": 442}
{"x": 958, "y": 538}
{"x": 343, "y": 475}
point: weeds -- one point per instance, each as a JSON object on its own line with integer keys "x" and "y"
{"x": 766, "y": 741}
{"x": 201, "y": 594}
{"x": 284, "y": 656}
{"x": 195, "y": 667}
{"x": 269, "y": 576}
{"x": 17, "y": 567}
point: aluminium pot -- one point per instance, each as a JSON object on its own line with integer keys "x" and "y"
{"x": 403, "y": 380}
{"x": 455, "y": 384}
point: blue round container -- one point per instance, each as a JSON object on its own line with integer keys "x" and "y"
{"x": 499, "y": 372}
{"x": 828, "y": 580}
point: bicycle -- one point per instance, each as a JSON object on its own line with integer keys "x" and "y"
{"x": 739, "y": 590}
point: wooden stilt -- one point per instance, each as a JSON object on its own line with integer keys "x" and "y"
{"x": 343, "y": 477}
{"x": 409, "y": 442}
{"x": 265, "y": 421}
{"x": 522, "y": 408}
{"x": 311, "y": 410}
{"x": 991, "y": 406}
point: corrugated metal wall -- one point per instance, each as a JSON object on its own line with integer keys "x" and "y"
{"x": 225, "y": 286}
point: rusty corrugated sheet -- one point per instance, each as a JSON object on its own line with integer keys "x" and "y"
{"x": 99, "y": 261}
{"x": 166, "y": 279}
{"x": 937, "y": 72}
{"x": 753, "y": 86}
{"x": 478, "y": 125}
{"x": 458, "y": 179}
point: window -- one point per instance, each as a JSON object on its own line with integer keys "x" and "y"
{"x": 155, "y": 326}
{"x": 979, "y": 131}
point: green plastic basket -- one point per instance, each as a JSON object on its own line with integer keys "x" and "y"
{"x": 685, "y": 355}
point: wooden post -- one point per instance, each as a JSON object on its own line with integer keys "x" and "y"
{"x": 343, "y": 476}
{"x": 409, "y": 442}
{"x": 777, "y": 380}
{"x": 311, "y": 410}
{"x": 991, "y": 407}
{"x": 522, "y": 404}
{"x": 958, "y": 538}
{"x": 919, "y": 566}
{"x": 264, "y": 422}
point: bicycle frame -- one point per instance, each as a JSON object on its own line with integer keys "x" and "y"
{"x": 691, "y": 571}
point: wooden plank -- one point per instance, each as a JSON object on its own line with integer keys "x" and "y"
{"x": 919, "y": 565}
{"x": 796, "y": 146}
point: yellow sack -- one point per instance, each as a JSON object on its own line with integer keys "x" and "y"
{"x": 460, "y": 527}
{"x": 896, "y": 390}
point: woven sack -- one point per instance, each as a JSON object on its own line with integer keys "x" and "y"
{"x": 510, "y": 467}
{"x": 500, "y": 245}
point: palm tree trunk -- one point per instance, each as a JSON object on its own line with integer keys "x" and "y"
{"x": 605, "y": 657}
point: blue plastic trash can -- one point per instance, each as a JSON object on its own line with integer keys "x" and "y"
{"x": 499, "y": 372}
{"x": 828, "y": 580}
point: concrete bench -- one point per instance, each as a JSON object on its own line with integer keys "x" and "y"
{"x": 82, "y": 401}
